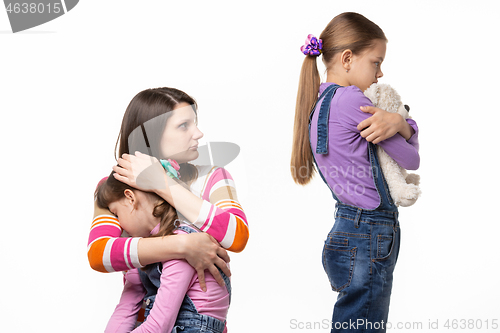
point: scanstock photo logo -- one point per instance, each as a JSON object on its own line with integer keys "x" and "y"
{"x": 24, "y": 14}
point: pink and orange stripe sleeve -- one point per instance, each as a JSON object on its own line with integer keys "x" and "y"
{"x": 106, "y": 250}
{"x": 221, "y": 214}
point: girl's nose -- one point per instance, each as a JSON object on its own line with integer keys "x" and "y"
{"x": 197, "y": 134}
{"x": 379, "y": 74}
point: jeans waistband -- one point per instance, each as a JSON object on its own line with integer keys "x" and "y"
{"x": 199, "y": 320}
{"x": 366, "y": 215}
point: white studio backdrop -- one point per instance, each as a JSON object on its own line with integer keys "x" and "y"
{"x": 64, "y": 87}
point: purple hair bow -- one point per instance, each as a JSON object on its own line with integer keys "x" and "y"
{"x": 312, "y": 46}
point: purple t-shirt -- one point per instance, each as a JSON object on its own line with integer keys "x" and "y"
{"x": 346, "y": 166}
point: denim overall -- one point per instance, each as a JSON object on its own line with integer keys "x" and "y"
{"x": 188, "y": 320}
{"x": 362, "y": 248}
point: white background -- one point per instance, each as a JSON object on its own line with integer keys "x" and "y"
{"x": 64, "y": 87}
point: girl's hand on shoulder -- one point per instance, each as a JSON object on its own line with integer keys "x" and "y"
{"x": 203, "y": 252}
{"x": 381, "y": 125}
{"x": 140, "y": 171}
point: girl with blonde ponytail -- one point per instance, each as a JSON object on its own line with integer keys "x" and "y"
{"x": 335, "y": 135}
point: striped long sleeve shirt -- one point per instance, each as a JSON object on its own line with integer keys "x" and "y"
{"x": 221, "y": 216}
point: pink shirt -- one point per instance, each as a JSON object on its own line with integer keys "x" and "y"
{"x": 178, "y": 278}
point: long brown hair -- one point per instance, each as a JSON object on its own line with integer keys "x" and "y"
{"x": 144, "y": 122}
{"x": 113, "y": 190}
{"x": 346, "y": 31}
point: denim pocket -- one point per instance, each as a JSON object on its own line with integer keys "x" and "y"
{"x": 385, "y": 245}
{"x": 338, "y": 261}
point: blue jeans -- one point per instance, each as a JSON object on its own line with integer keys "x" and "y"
{"x": 362, "y": 248}
{"x": 359, "y": 257}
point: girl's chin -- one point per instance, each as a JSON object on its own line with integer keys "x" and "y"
{"x": 193, "y": 155}
{"x": 188, "y": 156}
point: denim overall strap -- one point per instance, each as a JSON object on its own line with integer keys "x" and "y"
{"x": 150, "y": 277}
{"x": 386, "y": 202}
{"x": 323, "y": 117}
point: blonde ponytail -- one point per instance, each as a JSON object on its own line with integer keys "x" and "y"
{"x": 302, "y": 165}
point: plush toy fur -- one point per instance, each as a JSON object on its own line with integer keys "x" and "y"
{"x": 402, "y": 185}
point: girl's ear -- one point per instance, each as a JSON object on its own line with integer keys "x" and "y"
{"x": 346, "y": 59}
{"x": 130, "y": 196}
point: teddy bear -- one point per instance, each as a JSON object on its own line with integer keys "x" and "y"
{"x": 403, "y": 186}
